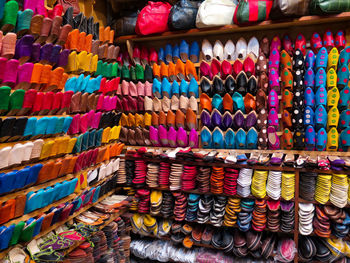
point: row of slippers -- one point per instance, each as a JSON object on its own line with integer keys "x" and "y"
{"x": 40, "y": 173}
{"x": 42, "y": 150}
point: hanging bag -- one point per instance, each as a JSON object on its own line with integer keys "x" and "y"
{"x": 252, "y": 11}
{"x": 291, "y": 8}
{"x": 322, "y": 7}
{"x": 153, "y": 18}
{"x": 183, "y": 15}
{"x": 215, "y": 13}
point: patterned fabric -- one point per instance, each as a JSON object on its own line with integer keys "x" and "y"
{"x": 249, "y": 11}
{"x": 319, "y": 7}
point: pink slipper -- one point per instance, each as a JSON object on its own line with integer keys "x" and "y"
{"x": 274, "y": 140}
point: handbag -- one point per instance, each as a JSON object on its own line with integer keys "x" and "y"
{"x": 251, "y": 11}
{"x": 283, "y": 8}
{"x": 126, "y": 25}
{"x": 153, "y": 18}
{"x": 215, "y": 13}
{"x": 321, "y": 7}
{"x": 183, "y": 15}
{"x": 68, "y": 3}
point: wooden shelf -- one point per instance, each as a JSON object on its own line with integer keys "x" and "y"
{"x": 230, "y": 29}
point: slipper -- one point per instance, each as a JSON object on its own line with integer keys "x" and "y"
{"x": 16, "y": 102}
{"x": 9, "y": 19}
{"x": 240, "y": 139}
{"x": 24, "y": 76}
{"x": 321, "y": 140}
{"x": 55, "y": 29}
{"x": 10, "y": 73}
{"x": 23, "y": 21}
{"x": 5, "y": 99}
{"x": 8, "y": 45}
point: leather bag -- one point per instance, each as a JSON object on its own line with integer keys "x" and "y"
{"x": 126, "y": 25}
{"x": 68, "y": 3}
{"x": 183, "y": 15}
{"x": 322, "y": 7}
{"x": 153, "y": 18}
{"x": 283, "y": 8}
{"x": 252, "y": 11}
{"x": 215, "y": 13}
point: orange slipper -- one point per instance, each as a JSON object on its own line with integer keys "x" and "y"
{"x": 156, "y": 71}
{"x": 55, "y": 79}
{"x": 81, "y": 41}
{"x": 88, "y": 43}
{"x": 36, "y": 74}
{"x": 172, "y": 71}
{"x": 164, "y": 73}
{"x": 190, "y": 70}
{"x": 180, "y": 69}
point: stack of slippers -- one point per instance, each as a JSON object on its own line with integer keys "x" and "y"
{"x": 273, "y": 187}
{"x": 164, "y": 172}
{"x": 273, "y": 215}
{"x": 176, "y": 171}
{"x": 203, "y": 179}
{"x": 130, "y": 171}
{"x": 340, "y": 220}
{"x": 259, "y": 215}
{"x": 143, "y": 195}
{"x": 100, "y": 245}
{"x": 306, "y": 249}
{"x": 156, "y": 202}
{"x": 286, "y": 250}
{"x": 167, "y": 205}
{"x": 306, "y": 215}
{"x": 192, "y": 207}
{"x": 245, "y": 217}
{"x": 307, "y": 186}
{"x": 180, "y": 206}
{"x": 140, "y": 173}
{"x": 217, "y": 180}
{"x": 253, "y": 240}
{"x": 81, "y": 254}
{"x": 288, "y": 186}
{"x": 268, "y": 245}
{"x": 339, "y": 190}
{"x": 204, "y": 207}
{"x": 188, "y": 178}
{"x": 150, "y": 224}
{"x": 218, "y": 210}
{"x": 121, "y": 173}
{"x": 231, "y": 211}
{"x": 259, "y": 183}
{"x": 323, "y": 188}
{"x": 288, "y": 216}
{"x": 321, "y": 223}
{"x": 152, "y": 175}
{"x": 230, "y": 181}
{"x": 244, "y": 182}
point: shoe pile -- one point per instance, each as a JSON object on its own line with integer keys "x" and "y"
{"x": 218, "y": 210}
{"x": 323, "y": 188}
{"x": 273, "y": 215}
{"x": 188, "y": 178}
{"x": 259, "y": 215}
{"x": 288, "y": 186}
{"x": 321, "y": 223}
{"x": 167, "y": 205}
{"x": 288, "y": 216}
{"x": 203, "y": 179}
{"x": 129, "y": 171}
{"x": 217, "y": 180}
{"x": 306, "y": 215}
{"x": 156, "y": 200}
{"x": 273, "y": 187}
{"x": 245, "y": 216}
{"x": 84, "y": 253}
{"x": 230, "y": 181}
{"x": 143, "y": 197}
{"x": 307, "y": 186}
{"x": 180, "y": 206}
{"x": 244, "y": 182}
{"x": 339, "y": 190}
{"x": 140, "y": 173}
{"x": 164, "y": 172}
{"x": 176, "y": 171}
{"x": 192, "y": 207}
{"x": 152, "y": 175}
{"x": 232, "y": 209}
{"x": 204, "y": 208}
{"x": 259, "y": 183}
{"x": 100, "y": 246}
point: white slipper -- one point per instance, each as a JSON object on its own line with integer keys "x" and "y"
{"x": 4, "y": 157}
{"x": 253, "y": 47}
{"x": 241, "y": 49}
{"x": 16, "y": 154}
{"x": 207, "y": 50}
{"x": 218, "y": 50}
{"x": 28, "y": 147}
{"x": 36, "y": 151}
{"x": 229, "y": 51}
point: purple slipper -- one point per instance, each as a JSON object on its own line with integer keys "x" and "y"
{"x": 55, "y": 55}
{"x": 193, "y": 139}
{"x": 286, "y": 206}
{"x": 182, "y": 139}
{"x": 205, "y": 118}
{"x": 172, "y": 135}
{"x": 238, "y": 120}
{"x": 45, "y": 53}
{"x": 153, "y": 136}
{"x": 63, "y": 58}
{"x": 36, "y": 52}
{"x": 24, "y": 48}
{"x": 163, "y": 136}
{"x": 250, "y": 120}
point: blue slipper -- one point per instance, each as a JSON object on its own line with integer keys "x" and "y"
{"x": 184, "y": 88}
{"x": 344, "y": 57}
{"x": 34, "y": 201}
{"x": 218, "y": 138}
{"x": 7, "y": 181}
{"x": 184, "y": 50}
{"x": 96, "y": 194}
{"x": 310, "y": 138}
{"x": 59, "y": 125}
{"x": 91, "y": 142}
{"x": 310, "y": 60}
{"x": 193, "y": 88}
{"x": 79, "y": 83}
{"x": 85, "y": 141}
{"x": 321, "y": 96}
{"x": 320, "y": 117}
{"x": 33, "y": 173}
{"x": 206, "y": 138}
{"x": 252, "y": 139}
{"x": 94, "y": 84}
{"x": 168, "y": 53}
{"x": 77, "y": 145}
{"x": 37, "y": 227}
{"x": 238, "y": 102}
{"x": 344, "y": 98}
{"x": 344, "y": 119}
{"x": 30, "y": 127}
{"x": 175, "y": 89}
{"x": 194, "y": 52}
{"x": 322, "y": 58}
{"x": 217, "y": 102}
{"x": 41, "y": 126}
{"x": 52, "y": 122}
{"x": 50, "y": 193}
{"x": 16, "y": 183}
{"x": 166, "y": 88}
{"x": 23, "y": 20}
{"x": 321, "y": 78}
{"x": 161, "y": 55}
{"x": 309, "y": 96}
{"x": 240, "y": 139}
{"x": 71, "y": 84}
{"x": 343, "y": 77}
{"x": 5, "y": 236}
{"x": 57, "y": 214}
{"x": 98, "y": 137}
{"x": 22, "y": 177}
{"x": 2, "y": 8}
{"x": 157, "y": 88}
{"x": 229, "y": 139}
{"x": 176, "y": 53}
{"x": 66, "y": 124}
{"x": 309, "y": 116}
{"x": 309, "y": 78}
{"x": 321, "y": 140}
{"x": 344, "y": 138}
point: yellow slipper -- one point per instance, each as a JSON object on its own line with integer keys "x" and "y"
{"x": 72, "y": 65}
{"x": 124, "y": 120}
{"x": 333, "y": 97}
{"x": 46, "y": 150}
{"x": 333, "y": 117}
{"x": 332, "y": 140}
{"x": 147, "y": 119}
{"x": 139, "y": 120}
{"x": 132, "y": 120}
{"x": 331, "y": 78}
{"x": 333, "y": 58}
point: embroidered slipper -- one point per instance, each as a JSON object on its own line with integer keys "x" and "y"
{"x": 23, "y": 22}
{"x": 9, "y": 19}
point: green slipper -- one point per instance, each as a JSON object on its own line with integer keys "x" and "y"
{"x": 16, "y": 233}
{"x": 104, "y": 69}
{"x": 9, "y": 20}
{"x": 109, "y": 69}
{"x": 114, "y": 70}
{"x": 133, "y": 73}
{"x": 16, "y": 102}
{"x": 140, "y": 72}
{"x": 125, "y": 73}
{"x": 28, "y": 230}
{"x": 119, "y": 71}
{"x": 99, "y": 70}
{"x": 5, "y": 99}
